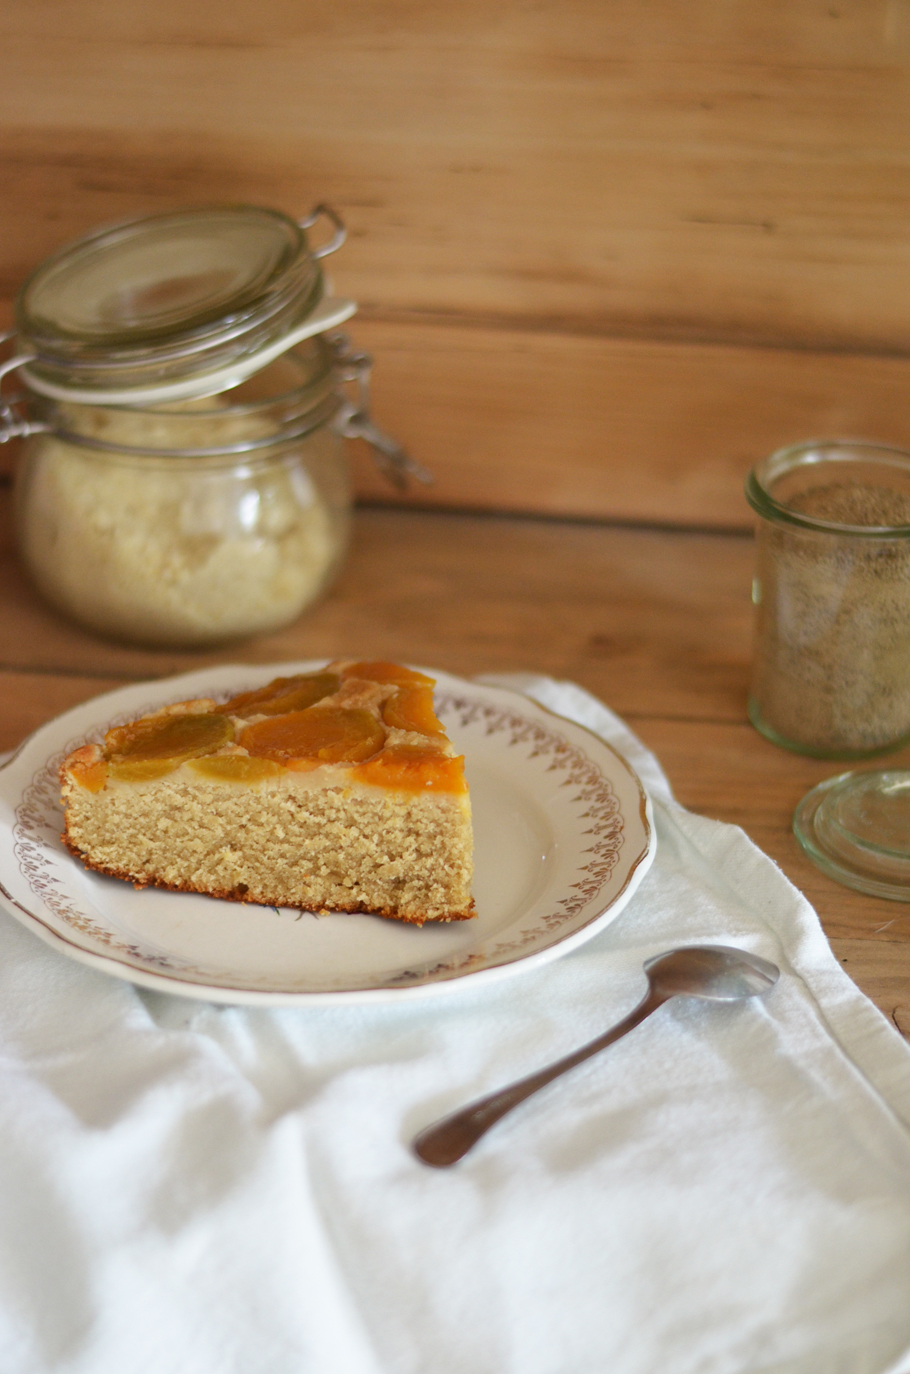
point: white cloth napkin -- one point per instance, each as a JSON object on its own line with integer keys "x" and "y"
{"x": 194, "y": 1189}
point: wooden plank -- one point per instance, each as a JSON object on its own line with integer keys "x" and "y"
{"x": 611, "y": 429}
{"x": 712, "y": 170}
{"x": 543, "y": 202}
{"x": 883, "y": 973}
{"x": 653, "y": 621}
{"x": 726, "y": 770}
{"x": 32, "y": 699}
{"x": 615, "y": 429}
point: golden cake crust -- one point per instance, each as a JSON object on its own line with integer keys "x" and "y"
{"x": 253, "y": 802}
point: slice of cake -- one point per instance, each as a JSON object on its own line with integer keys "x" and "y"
{"x": 330, "y": 791}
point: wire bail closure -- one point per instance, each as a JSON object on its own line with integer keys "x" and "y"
{"x": 337, "y": 239}
{"x": 116, "y": 378}
{"x": 12, "y": 425}
{"x": 353, "y": 419}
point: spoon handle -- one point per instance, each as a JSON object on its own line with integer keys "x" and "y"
{"x": 446, "y": 1141}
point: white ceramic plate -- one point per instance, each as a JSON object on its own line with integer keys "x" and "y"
{"x": 563, "y": 836}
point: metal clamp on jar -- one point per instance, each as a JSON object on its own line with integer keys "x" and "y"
{"x": 184, "y": 480}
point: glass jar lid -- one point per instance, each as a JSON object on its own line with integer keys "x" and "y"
{"x": 282, "y": 402}
{"x": 174, "y": 305}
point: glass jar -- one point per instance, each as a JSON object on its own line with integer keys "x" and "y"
{"x": 194, "y": 522}
{"x": 831, "y": 668}
{"x": 184, "y": 480}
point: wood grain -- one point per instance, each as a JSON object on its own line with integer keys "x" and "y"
{"x": 656, "y": 623}
{"x": 615, "y": 429}
{"x": 621, "y": 610}
{"x": 605, "y": 429}
{"x": 713, "y": 170}
{"x": 607, "y": 256}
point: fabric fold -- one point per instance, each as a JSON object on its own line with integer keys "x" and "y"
{"x": 217, "y": 1190}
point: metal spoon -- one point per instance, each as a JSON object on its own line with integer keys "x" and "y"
{"x": 714, "y": 972}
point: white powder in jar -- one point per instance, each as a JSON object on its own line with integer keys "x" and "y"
{"x": 181, "y": 551}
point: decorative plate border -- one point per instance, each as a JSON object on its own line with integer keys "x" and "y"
{"x": 607, "y": 827}
{"x": 34, "y": 827}
{"x": 38, "y": 819}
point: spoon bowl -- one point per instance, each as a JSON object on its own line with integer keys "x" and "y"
{"x": 715, "y": 973}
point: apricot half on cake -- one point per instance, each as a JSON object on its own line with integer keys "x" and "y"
{"x": 154, "y": 747}
{"x": 411, "y": 708}
{"x": 324, "y": 733}
{"x": 284, "y": 694}
{"x": 336, "y": 790}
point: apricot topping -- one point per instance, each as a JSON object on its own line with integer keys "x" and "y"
{"x": 235, "y": 768}
{"x": 411, "y": 708}
{"x": 388, "y": 672}
{"x": 173, "y": 739}
{"x": 414, "y": 770}
{"x": 90, "y": 774}
{"x": 329, "y": 734}
{"x": 283, "y": 694}
{"x": 141, "y": 770}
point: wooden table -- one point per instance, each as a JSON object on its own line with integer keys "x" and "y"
{"x": 656, "y": 622}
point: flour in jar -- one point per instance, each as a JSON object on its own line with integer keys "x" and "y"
{"x": 177, "y": 550}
